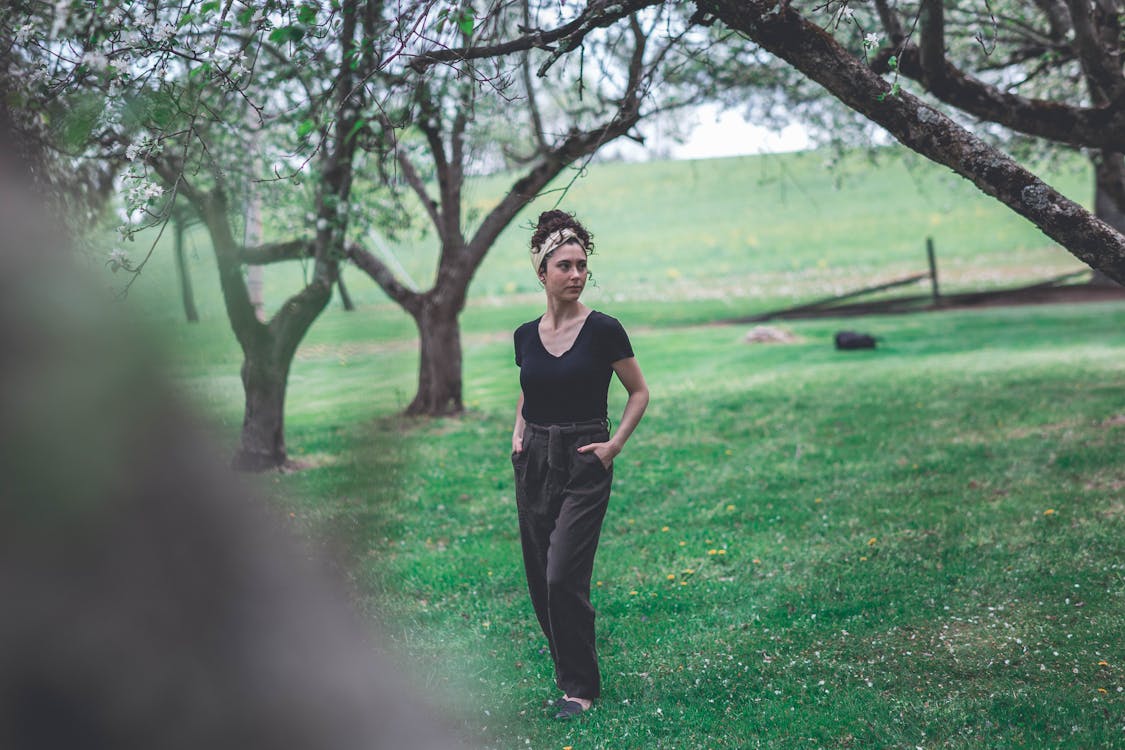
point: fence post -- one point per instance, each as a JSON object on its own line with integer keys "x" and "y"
{"x": 936, "y": 291}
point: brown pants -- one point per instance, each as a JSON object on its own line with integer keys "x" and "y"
{"x": 562, "y": 496}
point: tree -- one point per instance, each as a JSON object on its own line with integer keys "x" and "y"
{"x": 167, "y": 89}
{"x": 789, "y": 34}
{"x": 1050, "y": 68}
{"x": 429, "y": 145}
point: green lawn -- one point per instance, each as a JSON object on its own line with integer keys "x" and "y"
{"x": 918, "y": 546}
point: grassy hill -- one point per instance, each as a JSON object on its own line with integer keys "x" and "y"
{"x": 715, "y": 237}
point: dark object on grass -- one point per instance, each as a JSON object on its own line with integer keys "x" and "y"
{"x": 854, "y": 340}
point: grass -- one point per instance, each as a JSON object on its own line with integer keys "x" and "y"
{"x": 917, "y": 546}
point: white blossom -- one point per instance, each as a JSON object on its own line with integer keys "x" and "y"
{"x": 143, "y": 192}
{"x": 23, "y": 33}
{"x": 164, "y": 33}
{"x": 95, "y": 60}
{"x": 131, "y": 151}
{"x": 118, "y": 259}
{"x": 871, "y": 40}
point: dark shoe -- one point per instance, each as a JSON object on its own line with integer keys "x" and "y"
{"x": 568, "y": 710}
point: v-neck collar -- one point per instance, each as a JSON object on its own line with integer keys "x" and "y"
{"x": 573, "y": 344}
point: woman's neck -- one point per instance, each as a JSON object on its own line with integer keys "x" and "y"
{"x": 559, "y": 313}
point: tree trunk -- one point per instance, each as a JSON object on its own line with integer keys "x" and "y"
{"x": 439, "y": 371}
{"x": 1109, "y": 200}
{"x": 262, "y": 445}
{"x": 186, "y": 292}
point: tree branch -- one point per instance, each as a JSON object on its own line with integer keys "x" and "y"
{"x": 364, "y": 260}
{"x": 416, "y": 184}
{"x": 1091, "y": 127}
{"x": 787, "y": 34}
{"x": 277, "y": 252}
{"x": 1097, "y": 63}
{"x": 931, "y": 52}
{"x": 596, "y": 14}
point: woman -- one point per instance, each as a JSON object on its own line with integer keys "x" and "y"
{"x": 562, "y": 451}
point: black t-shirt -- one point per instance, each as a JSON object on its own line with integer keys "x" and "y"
{"x": 575, "y": 386}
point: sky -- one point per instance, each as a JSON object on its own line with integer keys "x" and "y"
{"x": 715, "y": 133}
{"x": 729, "y": 134}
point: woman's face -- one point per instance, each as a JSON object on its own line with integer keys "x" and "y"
{"x": 565, "y": 276}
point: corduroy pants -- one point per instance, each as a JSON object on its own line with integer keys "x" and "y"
{"x": 562, "y": 496}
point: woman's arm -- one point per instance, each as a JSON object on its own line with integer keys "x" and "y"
{"x": 517, "y": 431}
{"x": 629, "y": 373}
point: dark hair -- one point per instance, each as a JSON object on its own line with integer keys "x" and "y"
{"x": 554, "y": 220}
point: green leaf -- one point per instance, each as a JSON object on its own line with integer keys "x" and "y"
{"x": 76, "y": 119}
{"x": 283, "y": 34}
{"x": 359, "y": 124}
{"x": 246, "y": 15}
{"x": 307, "y": 15}
{"x": 209, "y": 7}
{"x": 185, "y": 19}
{"x": 305, "y": 128}
{"x": 204, "y": 68}
{"x": 466, "y": 22}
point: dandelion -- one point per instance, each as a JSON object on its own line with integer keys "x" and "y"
{"x": 730, "y": 507}
{"x": 756, "y": 561}
{"x": 671, "y": 576}
{"x": 819, "y": 500}
{"x": 1103, "y": 691}
{"x": 863, "y": 558}
{"x": 1103, "y": 663}
{"x": 599, "y": 584}
{"x": 633, "y": 592}
{"x": 722, "y": 552}
{"x": 871, "y": 542}
{"x": 1049, "y": 512}
{"x": 712, "y": 552}
{"x": 664, "y": 528}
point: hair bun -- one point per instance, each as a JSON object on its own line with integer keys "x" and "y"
{"x": 554, "y": 216}
{"x": 556, "y": 219}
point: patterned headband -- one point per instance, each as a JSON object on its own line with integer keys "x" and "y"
{"x": 554, "y": 241}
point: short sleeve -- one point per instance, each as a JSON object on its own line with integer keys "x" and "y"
{"x": 615, "y": 343}
{"x": 518, "y": 348}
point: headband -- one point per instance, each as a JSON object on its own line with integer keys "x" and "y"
{"x": 554, "y": 241}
